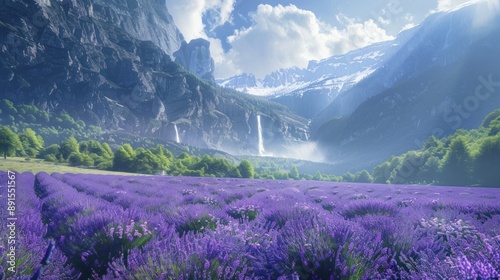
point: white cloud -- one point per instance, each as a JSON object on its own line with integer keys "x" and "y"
{"x": 224, "y": 67}
{"x": 188, "y": 15}
{"x": 448, "y": 5}
{"x": 384, "y": 21}
{"x": 286, "y": 36}
{"x": 410, "y": 19}
{"x": 408, "y": 26}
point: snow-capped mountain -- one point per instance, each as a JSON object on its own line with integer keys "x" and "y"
{"x": 441, "y": 40}
{"x": 241, "y": 82}
{"x": 284, "y": 77}
{"x": 443, "y": 78}
{"x": 307, "y": 91}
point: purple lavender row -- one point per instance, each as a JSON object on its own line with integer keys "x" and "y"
{"x": 184, "y": 239}
{"x": 31, "y": 242}
{"x": 409, "y": 225}
{"x": 164, "y": 187}
{"x": 219, "y": 193}
{"x": 96, "y": 236}
{"x": 328, "y": 196}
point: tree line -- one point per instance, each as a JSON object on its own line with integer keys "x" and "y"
{"x": 92, "y": 153}
{"x": 467, "y": 157}
{"x": 158, "y": 160}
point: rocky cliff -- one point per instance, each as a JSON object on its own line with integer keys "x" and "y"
{"x": 109, "y": 63}
{"x": 196, "y": 58}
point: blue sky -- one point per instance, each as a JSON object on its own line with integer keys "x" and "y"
{"x": 261, "y": 36}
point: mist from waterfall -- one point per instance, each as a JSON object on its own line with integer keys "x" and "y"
{"x": 261, "y": 140}
{"x": 177, "y": 138}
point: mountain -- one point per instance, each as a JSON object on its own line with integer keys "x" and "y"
{"x": 240, "y": 82}
{"x": 109, "y": 63}
{"x": 307, "y": 91}
{"x": 443, "y": 78}
{"x": 196, "y": 58}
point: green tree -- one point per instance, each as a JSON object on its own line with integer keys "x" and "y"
{"x": 95, "y": 147}
{"x": 363, "y": 177}
{"x": 161, "y": 152}
{"x": 75, "y": 159}
{"x": 234, "y": 172}
{"x": 494, "y": 127}
{"x": 307, "y": 177}
{"x": 33, "y": 114}
{"x": 107, "y": 149}
{"x": 456, "y": 168}
{"x": 434, "y": 147}
{"x": 9, "y": 142}
{"x": 246, "y": 169}
{"x": 333, "y": 178}
{"x": 106, "y": 165}
{"x": 146, "y": 162}
{"x": 193, "y": 173}
{"x": 83, "y": 147}
{"x": 487, "y": 163}
{"x": 382, "y": 173}
{"x": 213, "y": 166}
{"x": 183, "y": 155}
{"x": 409, "y": 168}
{"x": 50, "y": 153}
{"x": 429, "y": 173}
{"x": 31, "y": 142}
{"x": 8, "y": 107}
{"x": 491, "y": 117}
{"x": 432, "y": 142}
{"x": 87, "y": 160}
{"x": 348, "y": 177}
{"x": 387, "y": 172}
{"x": 187, "y": 160}
{"x": 280, "y": 175}
{"x": 294, "y": 173}
{"x": 318, "y": 176}
{"x": 64, "y": 120}
{"x": 78, "y": 159}
{"x": 124, "y": 159}
{"x": 69, "y": 146}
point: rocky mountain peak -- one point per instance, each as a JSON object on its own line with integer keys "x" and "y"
{"x": 240, "y": 82}
{"x": 283, "y": 77}
{"x": 196, "y": 58}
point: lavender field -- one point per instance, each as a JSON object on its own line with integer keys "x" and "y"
{"x": 117, "y": 227}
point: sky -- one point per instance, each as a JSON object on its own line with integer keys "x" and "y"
{"x": 261, "y": 36}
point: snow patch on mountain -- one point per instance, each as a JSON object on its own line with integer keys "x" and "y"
{"x": 331, "y": 75}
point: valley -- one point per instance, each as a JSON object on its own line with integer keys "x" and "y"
{"x": 159, "y": 139}
{"x": 340, "y": 110}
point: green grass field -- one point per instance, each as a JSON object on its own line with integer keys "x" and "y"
{"x": 39, "y": 165}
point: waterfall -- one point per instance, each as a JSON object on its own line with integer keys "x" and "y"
{"x": 177, "y": 138}
{"x": 261, "y": 141}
